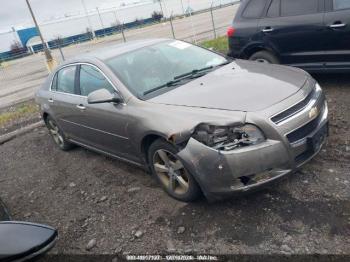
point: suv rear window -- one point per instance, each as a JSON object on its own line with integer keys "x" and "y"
{"x": 254, "y": 9}
{"x": 274, "y": 9}
{"x": 298, "y": 7}
{"x": 341, "y": 4}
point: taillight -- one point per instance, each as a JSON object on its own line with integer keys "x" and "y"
{"x": 230, "y": 31}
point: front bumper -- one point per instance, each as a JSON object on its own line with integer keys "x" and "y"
{"x": 226, "y": 173}
{"x": 221, "y": 174}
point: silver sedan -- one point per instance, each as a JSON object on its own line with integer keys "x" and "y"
{"x": 199, "y": 122}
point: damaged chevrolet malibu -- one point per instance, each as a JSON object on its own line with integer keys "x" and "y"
{"x": 199, "y": 122}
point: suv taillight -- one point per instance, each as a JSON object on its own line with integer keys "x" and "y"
{"x": 230, "y": 31}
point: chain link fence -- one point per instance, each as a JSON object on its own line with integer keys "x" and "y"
{"x": 21, "y": 75}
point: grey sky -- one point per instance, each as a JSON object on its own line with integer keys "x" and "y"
{"x": 15, "y": 12}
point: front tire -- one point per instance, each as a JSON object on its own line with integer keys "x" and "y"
{"x": 265, "y": 57}
{"x": 170, "y": 172}
{"x": 57, "y": 134}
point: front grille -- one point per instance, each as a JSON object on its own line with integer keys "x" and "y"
{"x": 308, "y": 128}
{"x": 294, "y": 109}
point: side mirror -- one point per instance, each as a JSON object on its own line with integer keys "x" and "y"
{"x": 103, "y": 96}
{"x": 22, "y": 241}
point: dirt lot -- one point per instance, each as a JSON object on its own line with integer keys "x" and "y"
{"x": 90, "y": 197}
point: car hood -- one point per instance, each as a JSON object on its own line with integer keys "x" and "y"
{"x": 239, "y": 86}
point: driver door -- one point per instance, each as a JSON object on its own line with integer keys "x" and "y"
{"x": 103, "y": 125}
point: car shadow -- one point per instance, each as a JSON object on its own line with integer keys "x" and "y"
{"x": 251, "y": 219}
{"x": 333, "y": 79}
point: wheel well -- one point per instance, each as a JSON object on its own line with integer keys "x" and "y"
{"x": 147, "y": 142}
{"x": 250, "y": 51}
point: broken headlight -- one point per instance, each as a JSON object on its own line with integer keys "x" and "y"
{"x": 228, "y": 138}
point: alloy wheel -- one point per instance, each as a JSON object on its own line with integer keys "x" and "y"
{"x": 171, "y": 172}
{"x": 55, "y": 133}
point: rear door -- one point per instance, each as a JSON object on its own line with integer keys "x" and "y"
{"x": 337, "y": 24}
{"x": 294, "y": 30}
{"x": 64, "y": 99}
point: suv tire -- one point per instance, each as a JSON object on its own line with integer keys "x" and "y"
{"x": 264, "y": 57}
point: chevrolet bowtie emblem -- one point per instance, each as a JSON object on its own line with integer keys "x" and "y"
{"x": 313, "y": 112}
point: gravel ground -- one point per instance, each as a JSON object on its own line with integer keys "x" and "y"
{"x": 111, "y": 207}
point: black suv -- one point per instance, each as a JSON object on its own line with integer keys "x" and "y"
{"x": 310, "y": 34}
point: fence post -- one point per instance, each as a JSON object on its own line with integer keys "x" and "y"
{"x": 124, "y": 39}
{"x": 212, "y": 19}
{"x": 183, "y": 9}
{"x": 171, "y": 24}
{"x": 194, "y": 35}
{"x": 102, "y": 25}
{"x": 59, "y": 48}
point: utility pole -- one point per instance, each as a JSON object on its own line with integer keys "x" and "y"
{"x": 183, "y": 9}
{"x": 99, "y": 15}
{"x": 212, "y": 18}
{"x": 49, "y": 60}
{"x": 88, "y": 18}
{"x": 161, "y": 7}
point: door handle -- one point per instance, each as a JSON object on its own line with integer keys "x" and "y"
{"x": 81, "y": 107}
{"x": 340, "y": 25}
{"x": 267, "y": 30}
{"x": 50, "y": 100}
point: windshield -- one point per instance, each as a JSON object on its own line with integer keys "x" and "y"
{"x": 151, "y": 69}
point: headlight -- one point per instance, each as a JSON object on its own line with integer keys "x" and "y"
{"x": 228, "y": 138}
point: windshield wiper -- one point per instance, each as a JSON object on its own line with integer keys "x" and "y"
{"x": 193, "y": 72}
{"x": 196, "y": 71}
{"x": 167, "y": 84}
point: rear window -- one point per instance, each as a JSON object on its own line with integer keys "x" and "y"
{"x": 274, "y": 9}
{"x": 298, "y": 7}
{"x": 341, "y": 4}
{"x": 66, "y": 80}
{"x": 254, "y": 9}
{"x": 54, "y": 83}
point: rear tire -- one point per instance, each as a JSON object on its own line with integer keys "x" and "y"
{"x": 170, "y": 172}
{"x": 264, "y": 57}
{"x": 57, "y": 134}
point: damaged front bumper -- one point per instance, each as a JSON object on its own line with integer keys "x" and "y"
{"x": 226, "y": 173}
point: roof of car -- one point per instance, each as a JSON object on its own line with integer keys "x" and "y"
{"x": 117, "y": 49}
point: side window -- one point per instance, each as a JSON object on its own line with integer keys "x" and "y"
{"x": 66, "y": 80}
{"x": 298, "y": 7}
{"x": 274, "y": 9}
{"x": 54, "y": 83}
{"x": 254, "y": 9}
{"x": 341, "y": 4}
{"x": 91, "y": 80}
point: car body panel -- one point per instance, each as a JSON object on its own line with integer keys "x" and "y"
{"x": 304, "y": 41}
{"x": 237, "y": 87}
{"x": 250, "y": 93}
{"x": 337, "y": 40}
{"x": 298, "y": 40}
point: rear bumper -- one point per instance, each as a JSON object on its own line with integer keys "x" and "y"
{"x": 235, "y": 47}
